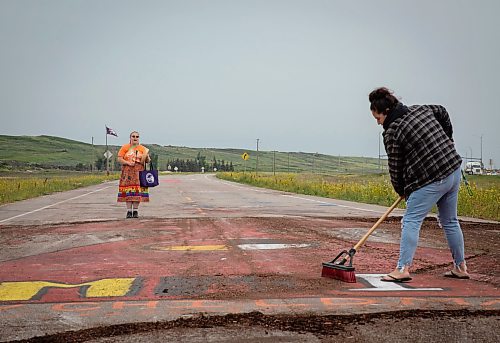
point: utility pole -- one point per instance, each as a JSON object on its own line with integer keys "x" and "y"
{"x": 274, "y": 162}
{"x": 379, "y": 163}
{"x": 481, "y": 151}
{"x": 257, "y": 159}
{"x": 314, "y": 163}
{"x": 92, "y": 156}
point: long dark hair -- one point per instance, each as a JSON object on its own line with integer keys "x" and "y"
{"x": 382, "y": 100}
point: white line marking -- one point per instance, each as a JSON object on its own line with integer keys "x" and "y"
{"x": 57, "y": 203}
{"x": 382, "y": 286}
{"x": 248, "y": 188}
{"x": 331, "y": 203}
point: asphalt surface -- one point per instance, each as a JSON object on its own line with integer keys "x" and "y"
{"x": 213, "y": 260}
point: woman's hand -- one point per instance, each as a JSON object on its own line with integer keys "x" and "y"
{"x": 131, "y": 163}
{"x": 145, "y": 159}
{"x": 125, "y": 162}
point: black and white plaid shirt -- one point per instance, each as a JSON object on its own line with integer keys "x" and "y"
{"x": 420, "y": 148}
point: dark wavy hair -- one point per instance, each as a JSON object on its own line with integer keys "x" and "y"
{"x": 382, "y": 100}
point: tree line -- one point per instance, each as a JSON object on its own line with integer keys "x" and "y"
{"x": 199, "y": 164}
{"x": 195, "y": 165}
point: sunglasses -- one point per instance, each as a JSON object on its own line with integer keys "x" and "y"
{"x": 135, "y": 136}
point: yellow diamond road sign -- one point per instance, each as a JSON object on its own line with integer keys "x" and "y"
{"x": 245, "y": 156}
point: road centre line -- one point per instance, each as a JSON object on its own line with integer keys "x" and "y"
{"x": 57, "y": 203}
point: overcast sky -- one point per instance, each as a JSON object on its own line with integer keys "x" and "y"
{"x": 222, "y": 73}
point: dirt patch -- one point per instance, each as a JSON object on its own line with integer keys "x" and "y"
{"x": 415, "y": 326}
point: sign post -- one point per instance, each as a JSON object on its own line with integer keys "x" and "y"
{"x": 107, "y": 155}
{"x": 245, "y": 158}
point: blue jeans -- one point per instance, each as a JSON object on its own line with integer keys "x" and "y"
{"x": 444, "y": 193}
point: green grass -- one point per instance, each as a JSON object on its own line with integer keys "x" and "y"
{"x": 16, "y": 187}
{"x": 485, "y": 199}
{"x": 46, "y": 150}
{"x": 374, "y": 189}
{"x": 484, "y": 181}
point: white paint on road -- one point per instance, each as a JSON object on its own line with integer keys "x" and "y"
{"x": 383, "y": 286}
{"x": 271, "y": 246}
{"x": 57, "y": 203}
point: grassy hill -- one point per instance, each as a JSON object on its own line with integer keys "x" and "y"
{"x": 44, "y": 150}
{"x": 27, "y": 152}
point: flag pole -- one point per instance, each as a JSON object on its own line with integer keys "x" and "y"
{"x": 107, "y": 158}
{"x": 92, "y": 156}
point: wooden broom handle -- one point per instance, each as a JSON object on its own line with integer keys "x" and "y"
{"x": 389, "y": 210}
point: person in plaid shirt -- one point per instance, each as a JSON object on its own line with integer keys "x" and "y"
{"x": 425, "y": 169}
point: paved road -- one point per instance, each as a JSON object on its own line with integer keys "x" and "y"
{"x": 180, "y": 196}
{"x": 71, "y": 261}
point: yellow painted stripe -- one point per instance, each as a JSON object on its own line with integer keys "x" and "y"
{"x": 26, "y": 290}
{"x": 109, "y": 287}
{"x": 194, "y": 248}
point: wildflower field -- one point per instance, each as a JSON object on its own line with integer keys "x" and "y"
{"x": 482, "y": 200}
{"x": 15, "y": 188}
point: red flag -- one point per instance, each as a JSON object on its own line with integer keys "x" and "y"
{"x": 110, "y": 131}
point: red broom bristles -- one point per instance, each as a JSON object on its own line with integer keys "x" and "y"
{"x": 338, "y": 274}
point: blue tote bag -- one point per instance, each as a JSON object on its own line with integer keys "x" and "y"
{"x": 149, "y": 178}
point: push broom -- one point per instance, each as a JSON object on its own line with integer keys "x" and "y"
{"x": 337, "y": 268}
